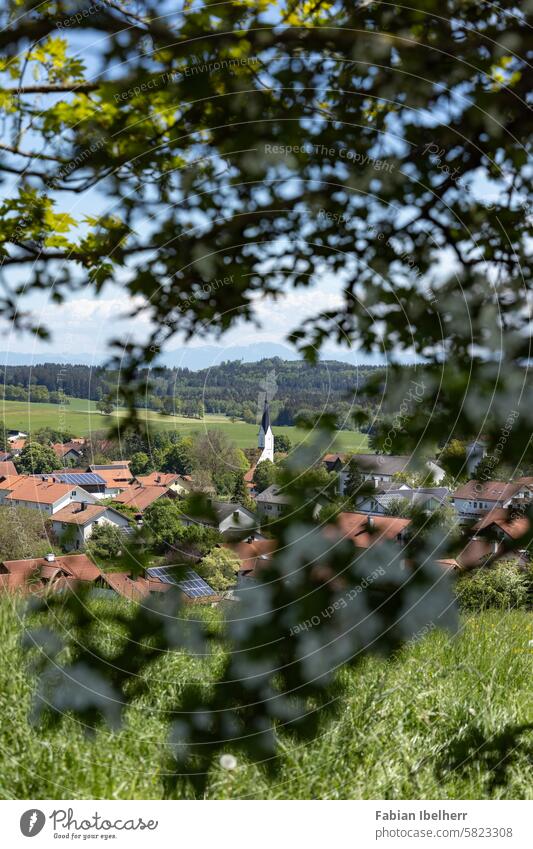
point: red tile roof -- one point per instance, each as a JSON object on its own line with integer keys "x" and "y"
{"x": 140, "y": 497}
{"x": 356, "y": 526}
{"x": 115, "y": 478}
{"x": 78, "y": 566}
{"x": 38, "y": 491}
{"x": 508, "y": 521}
{"x": 487, "y": 490}
{"x": 73, "y": 514}
{"x": 7, "y": 467}
{"x": 62, "y": 448}
{"x": 162, "y": 479}
{"x": 122, "y": 584}
{"x": 252, "y": 554}
{"x": 17, "y": 444}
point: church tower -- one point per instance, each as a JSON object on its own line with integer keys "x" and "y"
{"x": 266, "y": 437}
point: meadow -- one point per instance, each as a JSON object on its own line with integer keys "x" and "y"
{"x": 82, "y": 418}
{"x": 429, "y": 723}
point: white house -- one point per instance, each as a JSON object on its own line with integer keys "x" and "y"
{"x": 426, "y": 498}
{"x": 476, "y": 498}
{"x": 271, "y": 502}
{"x": 230, "y": 518}
{"x": 45, "y": 494}
{"x": 74, "y": 524}
{"x": 381, "y": 468}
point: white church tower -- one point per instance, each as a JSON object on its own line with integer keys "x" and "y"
{"x": 266, "y": 437}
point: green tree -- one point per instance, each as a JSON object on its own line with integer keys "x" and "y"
{"x": 49, "y": 435}
{"x": 355, "y": 479}
{"x": 219, "y": 569}
{"x": 178, "y": 458}
{"x": 453, "y": 458}
{"x": 213, "y": 452}
{"x": 282, "y": 443}
{"x": 163, "y": 520}
{"x": 4, "y": 445}
{"x": 106, "y": 542}
{"x": 140, "y": 464}
{"x": 502, "y": 586}
{"x": 36, "y": 459}
{"x": 398, "y": 507}
{"x": 105, "y": 406}
{"x": 399, "y": 163}
{"x": 240, "y": 494}
{"x": 264, "y": 475}
{"x": 23, "y": 533}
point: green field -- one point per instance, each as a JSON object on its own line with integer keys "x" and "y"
{"x": 412, "y": 728}
{"x": 81, "y": 418}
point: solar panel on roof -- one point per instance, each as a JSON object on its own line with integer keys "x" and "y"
{"x": 192, "y": 584}
{"x": 80, "y": 478}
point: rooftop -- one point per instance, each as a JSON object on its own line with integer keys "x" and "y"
{"x": 365, "y": 532}
{"x": 487, "y": 490}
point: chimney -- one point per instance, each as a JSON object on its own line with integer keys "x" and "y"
{"x": 495, "y": 546}
{"x": 50, "y": 557}
{"x": 370, "y": 523}
{"x": 83, "y": 505}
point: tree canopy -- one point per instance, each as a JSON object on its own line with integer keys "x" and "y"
{"x": 241, "y": 152}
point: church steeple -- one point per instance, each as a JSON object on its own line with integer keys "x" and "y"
{"x": 265, "y": 439}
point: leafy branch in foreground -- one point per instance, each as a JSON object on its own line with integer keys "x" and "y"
{"x": 345, "y": 143}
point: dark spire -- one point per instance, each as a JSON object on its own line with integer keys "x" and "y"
{"x": 265, "y": 421}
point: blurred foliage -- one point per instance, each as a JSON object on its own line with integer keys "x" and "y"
{"x": 272, "y": 145}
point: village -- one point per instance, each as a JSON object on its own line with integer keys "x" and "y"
{"x": 93, "y": 514}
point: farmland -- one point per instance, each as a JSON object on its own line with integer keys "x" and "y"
{"x": 81, "y": 418}
{"x": 411, "y": 727}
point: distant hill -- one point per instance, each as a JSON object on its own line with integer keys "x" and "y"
{"x": 233, "y": 388}
{"x": 193, "y": 358}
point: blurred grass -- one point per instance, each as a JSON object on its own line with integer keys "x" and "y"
{"x": 394, "y": 728}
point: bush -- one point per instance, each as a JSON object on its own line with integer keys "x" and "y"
{"x": 106, "y": 542}
{"x": 219, "y": 569}
{"x": 502, "y": 586}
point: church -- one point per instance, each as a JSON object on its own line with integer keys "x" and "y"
{"x": 265, "y": 439}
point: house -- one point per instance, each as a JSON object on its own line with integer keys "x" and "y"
{"x": 117, "y": 476}
{"x": 426, "y": 498}
{"x": 7, "y": 468}
{"x": 89, "y": 481}
{"x": 74, "y": 524}
{"x": 382, "y": 468}
{"x": 14, "y": 435}
{"x": 334, "y": 462}
{"x": 41, "y": 493}
{"x": 49, "y": 572}
{"x": 507, "y": 525}
{"x": 180, "y": 484}
{"x": 67, "y": 451}
{"x": 476, "y": 498}
{"x": 230, "y": 518}
{"x": 271, "y": 502}
{"x": 140, "y": 497}
{"x": 16, "y": 446}
{"x": 253, "y": 553}
{"x": 364, "y": 530}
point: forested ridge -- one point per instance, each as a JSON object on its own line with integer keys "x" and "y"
{"x": 232, "y": 388}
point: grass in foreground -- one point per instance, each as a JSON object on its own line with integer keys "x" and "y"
{"x": 82, "y": 418}
{"x": 403, "y": 724}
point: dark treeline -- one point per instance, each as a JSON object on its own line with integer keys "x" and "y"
{"x": 298, "y": 390}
